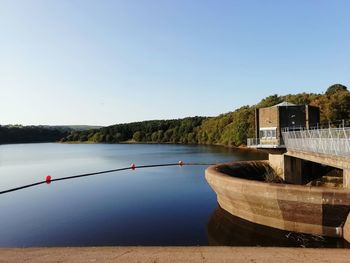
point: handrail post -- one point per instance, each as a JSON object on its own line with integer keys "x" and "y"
{"x": 347, "y": 143}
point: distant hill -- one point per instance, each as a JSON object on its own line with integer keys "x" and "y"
{"x": 71, "y": 127}
{"x": 29, "y": 134}
{"x": 232, "y": 128}
{"x": 40, "y": 133}
{"x": 161, "y": 131}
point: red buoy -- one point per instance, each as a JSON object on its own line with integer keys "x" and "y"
{"x": 48, "y": 179}
{"x": 133, "y": 166}
{"x": 181, "y": 163}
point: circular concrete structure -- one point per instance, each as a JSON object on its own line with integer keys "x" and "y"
{"x": 307, "y": 209}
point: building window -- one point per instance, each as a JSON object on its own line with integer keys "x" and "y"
{"x": 268, "y": 133}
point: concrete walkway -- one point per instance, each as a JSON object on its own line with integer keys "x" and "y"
{"x": 173, "y": 254}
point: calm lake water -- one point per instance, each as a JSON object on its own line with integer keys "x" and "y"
{"x": 153, "y": 206}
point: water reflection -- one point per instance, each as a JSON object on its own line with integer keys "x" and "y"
{"x": 224, "y": 229}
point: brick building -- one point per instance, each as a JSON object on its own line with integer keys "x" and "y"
{"x": 270, "y": 121}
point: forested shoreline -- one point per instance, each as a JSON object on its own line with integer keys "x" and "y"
{"x": 230, "y": 129}
{"x": 35, "y": 134}
{"x": 30, "y": 134}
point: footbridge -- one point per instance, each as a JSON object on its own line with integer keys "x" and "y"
{"x": 309, "y": 151}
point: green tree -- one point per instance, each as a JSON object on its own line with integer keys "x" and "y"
{"x": 138, "y": 136}
{"x": 335, "y": 89}
{"x": 270, "y": 101}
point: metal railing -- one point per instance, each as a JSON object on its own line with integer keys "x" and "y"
{"x": 331, "y": 141}
{"x": 267, "y": 142}
{"x": 253, "y": 142}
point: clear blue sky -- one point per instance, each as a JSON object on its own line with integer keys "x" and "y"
{"x": 107, "y": 62}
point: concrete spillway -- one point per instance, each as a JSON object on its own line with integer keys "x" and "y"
{"x": 299, "y": 208}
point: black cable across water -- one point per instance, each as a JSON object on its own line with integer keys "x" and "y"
{"x": 132, "y": 167}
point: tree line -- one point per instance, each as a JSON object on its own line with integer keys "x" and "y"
{"x": 235, "y": 127}
{"x": 232, "y": 128}
{"x": 158, "y": 131}
{"x": 30, "y": 134}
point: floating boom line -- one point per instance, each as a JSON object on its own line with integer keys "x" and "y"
{"x": 48, "y": 179}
